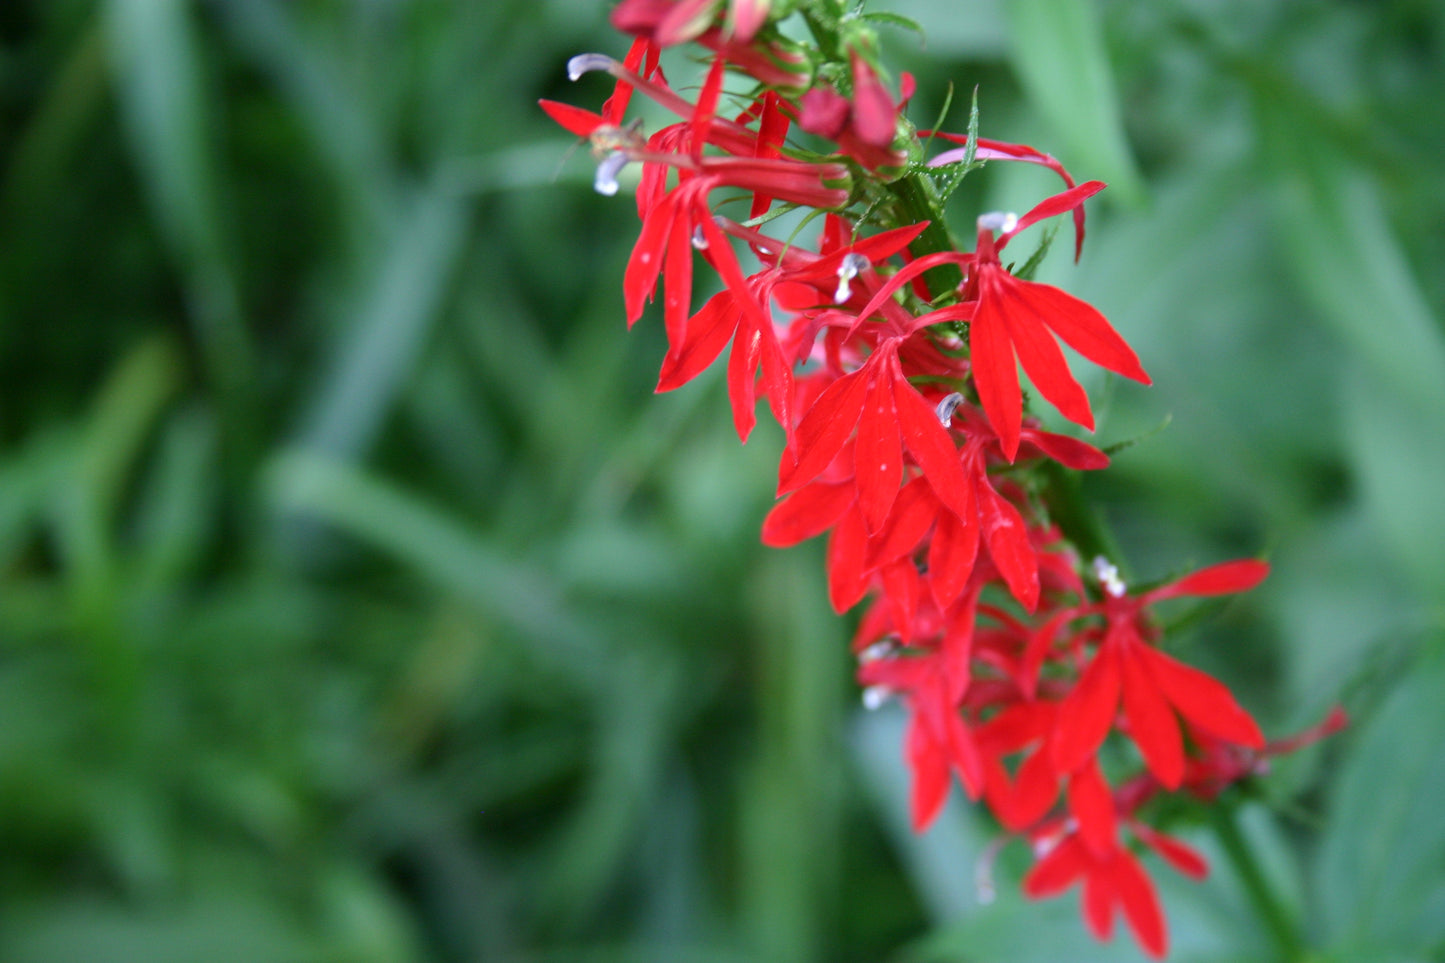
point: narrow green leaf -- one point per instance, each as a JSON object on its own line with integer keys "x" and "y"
{"x": 1059, "y": 54}
{"x": 1381, "y": 889}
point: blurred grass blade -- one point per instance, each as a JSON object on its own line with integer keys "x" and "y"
{"x": 374, "y": 355}
{"x": 164, "y": 98}
{"x": 341, "y": 127}
{"x": 120, "y": 424}
{"x": 1379, "y": 871}
{"x": 1058, "y": 51}
{"x": 438, "y": 547}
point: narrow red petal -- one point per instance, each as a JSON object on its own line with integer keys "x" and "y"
{"x": 1037, "y": 351}
{"x": 951, "y": 554}
{"x": 930, "y": 444}
{"x": 742, "y": 376}
{"x": 640, "y": 278}
{"x": 913, "y": 515}
{"x": 574, "y": 120}
{"x": 1099, "y": 899}
{"x": 1087, "y": 714}
{"x": 995, "y": 373}
{"x": 877, "y": 454}
{"x": 1057, "y": 871}
{"x": 929, "y": 764}
{"x": 1083, "y": 328}
{"x": 824, "y": 430}
{"x": 1225, "y": 578}
{"x": 1151, "y": 722}
{"x": 1092, "y": 804}
{"x": 846, "y": 578}
{"x": 1136, "y": 894}
{"x": 708, "y": 332}
{"x": 808, "y": 512}
{"x": 903, "y": 590}
{"x": 1202, "y": 699}
{"x": 1184, "y": 858}
{"x": 1008, "y": 543}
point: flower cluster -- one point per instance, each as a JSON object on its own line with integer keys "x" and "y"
{"x": 889, "y": 355}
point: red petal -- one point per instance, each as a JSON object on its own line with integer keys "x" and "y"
{"x": 824, "y": 430}
{"x": 1067, "y": 451}
{"x": 1099, "y": 906}
{"x": 963, "y": 753}
{"x": 930, "y": 774}
{"x": 574, "y": 119}
{"x": 951, "y": 555}
{"x": 1151, "y": 722}
{"x": 677, "y": 282}
{"x": 1202, "y": 699}
{"x": 1034, "y": 792}
{"x": 1182, "y": 857}
{"x": 930, "y": 444}
{"x": 1084, "y": 329}
{"x": 809, "y": 511}
{"x": 846, "y": 579}
{"x": 1141, "y": 904}
{"x": 1040, "y": 643}
{"x": 707, "y": 334}
{"x": 777, "y": 381}
{"x": 877, "y": 455}
{"x": 1057, "y": 871}
{"x": 1008, "y": 543}
{"x": 1053, "y": 206}
{"x": 995, "y": 373}
{"x": 913, "y": 514}
{"x": 902, "y": 589}
{"x": 640, "y": 278}
{"x": 742, "y": 376}
{"x": 1092, "y": 804}
{"x": 875, "y": 119}
{"x": 1225, "y": 578}
{"x": 1036, "y": 349}
{"x": 1086, "y": 715}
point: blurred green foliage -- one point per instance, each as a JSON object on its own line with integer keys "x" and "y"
{"x": 358, "y": 602}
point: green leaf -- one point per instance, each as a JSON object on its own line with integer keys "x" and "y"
{"x": 1058, "y": 52}
{"x": 1380, "y": 886}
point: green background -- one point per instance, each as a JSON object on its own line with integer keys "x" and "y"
{"x": 359, "y": 602}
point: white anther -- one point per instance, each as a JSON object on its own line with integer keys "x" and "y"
{"x": 881, "y": 649}
{"x": 1004, "y": 221}
{"x": 876, "y": 696}
{"x": 588, "y": 62}
{"x": 847, "y": 271}
{"x": 1108, "y": 577}
{"x": 606, "y": 180}
{"x": 699, "y": 240}
{"x": 947, "y": 407}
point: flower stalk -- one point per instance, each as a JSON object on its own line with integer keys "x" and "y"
{"x": 993, "y": 608}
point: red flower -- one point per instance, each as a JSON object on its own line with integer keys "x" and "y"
{"x": 1152, "y": 686}
{"x": 864, "y": 127}
{"x": 1015, "y": 317}
{"x": 1113, "y": 880}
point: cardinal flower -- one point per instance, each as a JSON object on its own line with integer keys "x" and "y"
{"x": 1015, "y": 322}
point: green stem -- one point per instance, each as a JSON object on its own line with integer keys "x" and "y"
{"x": 916, "y": 201}
{"x": 1276, "y": 918}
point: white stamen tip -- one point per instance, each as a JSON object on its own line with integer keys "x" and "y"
{"x": 847, "y": 271}
{"x": 947, "y": 407}
{"x": 588, "y": 62}
{"x": 699, "y": 240}
{"x": 876, "y": 696}
{"x": 606, "y": 180}
{"x": 881, "y": 649}
{"x": 1108, "y": 577}
{"x": 1004, "y": 221}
